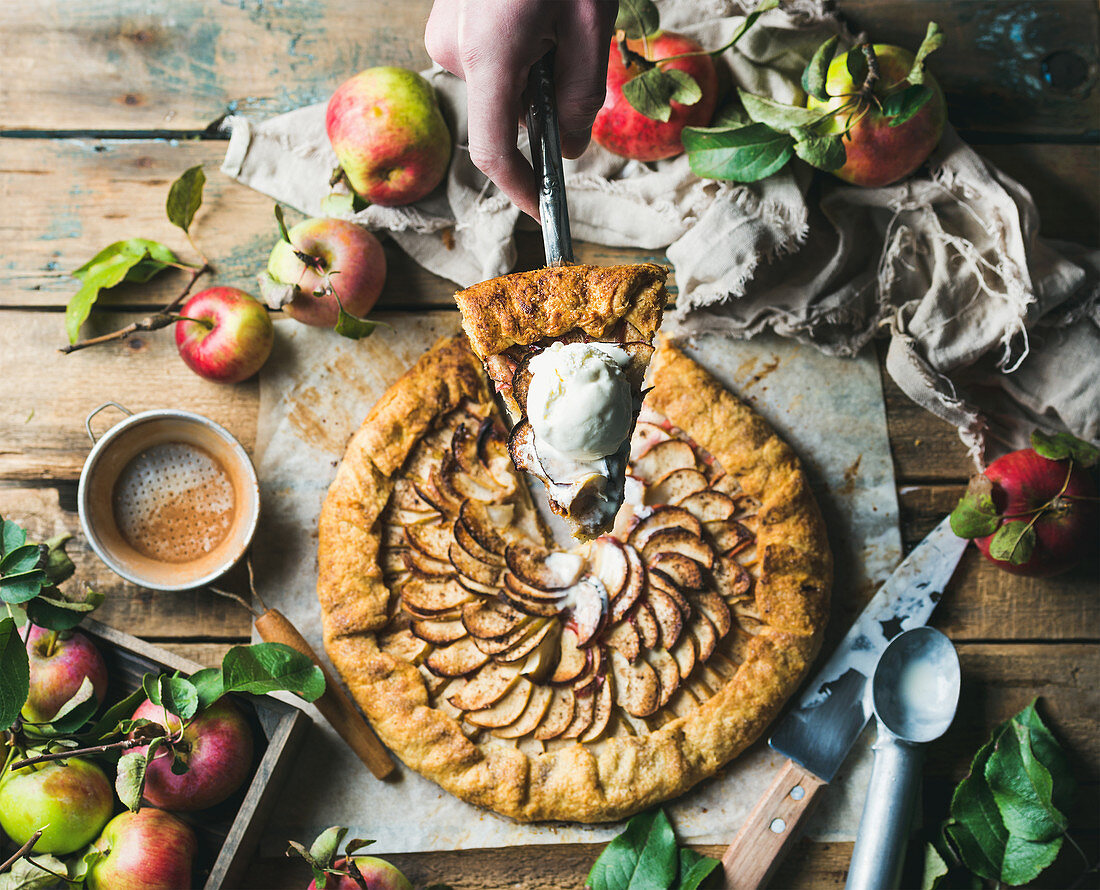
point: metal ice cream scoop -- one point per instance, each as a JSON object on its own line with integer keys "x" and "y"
{"x": 914, "y": 692}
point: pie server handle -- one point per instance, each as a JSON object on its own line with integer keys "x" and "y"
{"x": 334, "y": 705}
{"x": 771, "y": 829}
{"x": 542, "y": 131}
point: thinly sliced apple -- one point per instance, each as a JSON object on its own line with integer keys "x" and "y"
{"x": 669, "y": 620}
{"x": 635, "y": 586}
{"x": 624, "y": 638}
{"x": 475, "y": 520}
{"x": 583, "y": 713}
{"x": 420, "y": 565}
{"x": 645, "y": 436}
{"x": 474, "y": 569}
{"x": 391, "y": 560}
{"x": 661, "y": 518}
{"x": 525, "y": 647}
{"x": 430, "y": 539}
{"x": 657, "y": 578}
{"x": 544, "y": 657}
{"x": 405, "y": 497}
{"x": 645, "y": 622}
{"x": 732, "y": 579}
{"x": 609, "y": 565}
{"x": 709, "y": 505}
{"x": 593, "y": 670}
{"x": 428, "y": 490}
{"x": 470, "y": 544}
{"x": 729, "y": 535}
{"x": 587, "y": 604}
{"x": 442, "y": 476}
{"x": 521, "y": 446}
{"x": 506, "y": 711}
{"x": 602, "y": 713}
{"x": 477, "y": 587}
{"x": 500, "y": 515}
{"x": 491, "y": 620}
{"x": 523, "y": 631}
{"x": 678, "y": 540}
{"x": 431, "y": 598}
{"x": 674, "y": 487}
{"x": 471, "y": 487}
{"x": 439, "y": 633}
{"x": 637, "y": 687}
{"x": 517, "y": 586}
{"x": 486, "y": 687}
{"x": 405, "y": 645}
{"x": 558, "y": 716}
{"x": 572, "y": 659}
{"x": 705, "y": 637}
{"x": 663, "y": 458}
{"x": 543, "y": 569}
{"x": 528, "y": 605}
{"x": 532, "y": 715}
{"x": 460, "y": 659}
{"x": 412, "y": 517}
{"x": 714, "y": 607}
{"x": 685, "y": 653}
{"x": 668, "y": 672}
{"x": 685, "y": 573}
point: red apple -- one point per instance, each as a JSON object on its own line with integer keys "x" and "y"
{"x": 228, "y": 336}
{"x": 1023, "y": 482}
{"x": 146, "y": 850}
{"x": 378, "y": 874}
{"x": 70, "y": 799}
{"x": 627, "y": 132}
{"x": 344, "y": 255}
{"x": 59, "y": 662}
{"x": 878, "y": 154}
{"x": 389, "y": 135}
{"x": 217, "y": 747}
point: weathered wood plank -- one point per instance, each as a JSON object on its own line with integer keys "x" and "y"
{"x": 120, "y": 65}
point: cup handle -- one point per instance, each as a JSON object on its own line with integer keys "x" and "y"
{"x": 88, "y": 419}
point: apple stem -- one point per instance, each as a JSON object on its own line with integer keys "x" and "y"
{"x": 51, "y": 643}
{"x": 205, "y": 322}
{"x": 68, "y": 753}
{"x": 633, "y": 58}
{"x": 21, "y": 852}
{"x": 872, "y": 70}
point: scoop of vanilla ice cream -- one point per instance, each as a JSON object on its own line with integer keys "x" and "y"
{"x": 578, "y": 400}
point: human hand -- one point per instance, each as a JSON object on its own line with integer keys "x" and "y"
{"x": 492, "y": 44}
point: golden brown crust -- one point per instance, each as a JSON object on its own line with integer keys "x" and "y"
{"x": 526, "y": 307}
{"x": 623, "y": 773}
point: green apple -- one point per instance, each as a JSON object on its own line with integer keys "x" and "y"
{"x": 71, "y": 800}
{"x": 389, "y": 135}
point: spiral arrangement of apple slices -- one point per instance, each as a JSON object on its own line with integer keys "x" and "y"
{"x": 524, "y": 642}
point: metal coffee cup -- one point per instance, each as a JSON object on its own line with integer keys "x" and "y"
{"x": 168, "y": 499}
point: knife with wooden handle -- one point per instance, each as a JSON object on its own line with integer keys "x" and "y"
{"x": 817, "y": 733}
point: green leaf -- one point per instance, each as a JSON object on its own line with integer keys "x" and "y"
{"x": 320, "y": 878}
{"x": 26, "y": 875}
{"x": 176, "y": 694}
{"x": 185, "y": 197}
{"x": 356, "y": 844}
{"x": 15, "y": 673}
{"x": 638, "y": 18}
{"x": 817, "y": 69}
{"x": 72, "y": 715}
{"x": 209, "y": 686}
{"x": 975, "y": 515}
{"x": 901, "y": 106}
{"x": 643, "y": 857}
{"x": 20, "y": 588}
{"x": 111, "y": 266}
{"x": 761, "y": 7}
{"x": 730, "y": 116}
{"x": 13, "y": 536}
{"x": 934, "y": 868}
{"x": 823, "y": 152}
{"x": 652, "y": 91}
{"x": 107, "y": 724}
{"x": 975, "y": 827}
{"x": 742, "y": 154}
{"x": 694, "y": 868}
{"x": 777, "y": 115}
{"x": 325, "y": 847}
{"x": 347, "y": 325}
{"x": 1023, "y": 787}
{"x": 856, "y": 62}
{"x": 21, "y": 559}
{"x": 283, "y": 233}
{"x": 1059, "y": 446}
{"x": 933, "y": 38}
{"x": 1014, "y": 542}
{"x": 59, "y": 567}
{"x": 131, "y": 771}
{"x": 272, "y": 667}
{"x": 52, "y": 610}
{"x": 1024, "y": 859}
{"x": 1046, "y": 748}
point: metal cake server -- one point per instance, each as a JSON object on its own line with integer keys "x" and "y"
{"x": 817, "y": 733}
{"x": 542, "y": 130}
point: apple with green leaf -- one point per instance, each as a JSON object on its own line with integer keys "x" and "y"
{"x": 70, "y": 800}
{"x": 59, "y": 663}
{"x": 224, "y": 334}
{"x": 146, "y": 850}
{"x": 389, "y": 135}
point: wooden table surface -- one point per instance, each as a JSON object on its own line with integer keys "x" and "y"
{"x": 104, "y": 102}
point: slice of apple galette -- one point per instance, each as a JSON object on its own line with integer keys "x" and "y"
{"x": 567, "y": 348}
{"x": 581, "y": 685}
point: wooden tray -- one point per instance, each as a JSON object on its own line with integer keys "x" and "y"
{"x": 228, "y": 833}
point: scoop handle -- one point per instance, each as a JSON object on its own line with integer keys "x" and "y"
{"x": 334, "y": 705}
{"x": 879, "y": 853}
{"x": 542, "y": 131}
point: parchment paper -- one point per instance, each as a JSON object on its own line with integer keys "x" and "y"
{"x": 315, "y": 391}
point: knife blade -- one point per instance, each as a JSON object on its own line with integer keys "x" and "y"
{"x": 817, "y": 733}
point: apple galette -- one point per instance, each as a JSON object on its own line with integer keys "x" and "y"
{"x": 581, "y": 685}
{"x": 567, "y": 348}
